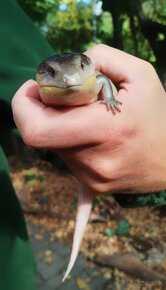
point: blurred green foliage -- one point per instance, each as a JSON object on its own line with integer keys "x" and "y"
{"x": 109, "y": 232}
{"x": 137, "y": 26}
{"x": 32, "y": 176}
{"x": 122, "y": 230}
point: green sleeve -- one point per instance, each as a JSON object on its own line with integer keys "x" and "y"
{"x": 22, "y": 48}
{"x": 17, "y": 266}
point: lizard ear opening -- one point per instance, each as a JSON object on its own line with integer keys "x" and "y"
{"x": 85, "y": 200}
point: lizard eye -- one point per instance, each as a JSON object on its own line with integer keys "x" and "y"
{"x": 82, "y": 65}
{"x": 85, "y": 61}
{"x": 45, "y": 68}
{"x": 51, "y": 71}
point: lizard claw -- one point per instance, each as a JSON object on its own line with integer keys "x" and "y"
{"x": 113, "y": 105}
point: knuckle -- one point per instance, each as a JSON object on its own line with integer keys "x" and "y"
{"x": 106, "y": 177}
{"x": 98, "y": 48}
{"x": 145, "y": 71}
{"x": 147, "y": 67}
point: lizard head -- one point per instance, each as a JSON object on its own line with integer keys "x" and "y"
{"x": 65, "y": 71}
{"x": 64, "y": 79}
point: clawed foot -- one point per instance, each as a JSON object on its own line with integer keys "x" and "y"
{"x": 113, "y": 105}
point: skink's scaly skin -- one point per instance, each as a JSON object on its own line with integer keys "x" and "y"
{"x": 71, "y": 80}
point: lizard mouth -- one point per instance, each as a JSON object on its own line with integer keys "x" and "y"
{"x": 61, "y": 87}
{"x": 74, "y": 95}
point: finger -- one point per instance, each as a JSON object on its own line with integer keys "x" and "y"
{"x": 27, "y": 95}
{"x": 45, "y": 127}
{"x": 31, "y": 87}
{"x": 116, "y": 64}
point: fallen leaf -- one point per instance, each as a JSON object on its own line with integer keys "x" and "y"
{"x": 82, "y": 284}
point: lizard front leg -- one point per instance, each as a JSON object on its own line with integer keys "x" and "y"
{"x": 105, "y": 87}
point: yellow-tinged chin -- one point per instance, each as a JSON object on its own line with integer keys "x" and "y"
{"x": 71, "y": 96}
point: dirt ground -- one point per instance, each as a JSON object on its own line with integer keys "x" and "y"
{"x": 128, "y": 244}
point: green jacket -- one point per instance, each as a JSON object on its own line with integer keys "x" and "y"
{"x": 22, "y": 47}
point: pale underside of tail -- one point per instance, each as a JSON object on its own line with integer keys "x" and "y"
{"x": 85, "y": 200}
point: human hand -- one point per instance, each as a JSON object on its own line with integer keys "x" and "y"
{"x": 107, "y": 153}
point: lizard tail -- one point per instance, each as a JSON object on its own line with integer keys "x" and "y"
{"x": 85, "y": 200}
